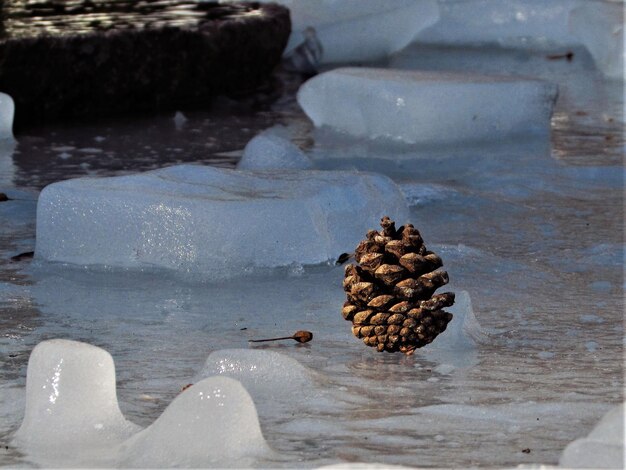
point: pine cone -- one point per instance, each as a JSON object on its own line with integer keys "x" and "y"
{"x": 391, "y": 300}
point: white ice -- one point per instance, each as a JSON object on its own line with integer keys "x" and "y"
{"x": 269, "y": 151}
{"x": 359, "y": 30}
{"x": 268, "y": 374}
{"x": 602, "y": 448}
{"x": 72, "y": 417}
{"x": 369, "y": 30}
{"x": 464, "y": 331}
{"x": 213, "y": 221}
{"x": 457, "y": 346}
{"x": 7, "y": 141}
{"x": 534, "y": 24}
{"x": 7, "y": 112}
{"x": 600, "y": 28}
{"x": 179, "y": 120}
{"x": 211, "y": 424}
{"x": 71, "y": 400}
{"x": 279, "y": 384}
{"x": 421, "y": 194}
{"x": 427, "y": 107}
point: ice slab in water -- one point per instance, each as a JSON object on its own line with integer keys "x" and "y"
{"x": 427, "y": 107}
{"x": 600, "y": 27}
{"x": 7, "y": 142}
{"x": 522, "y": 23}
{"x": 7, "y": 111}
{"x": 213, "y": 221}
{"x": 279, "y": 384}
{"x": 602, "y": 448}
{"x": 359, "y": 30}
{"x": 72, "y": 417}
{"x": 421, "y": 194}
{"x": 268, "y": 151}
{"x": 212, "y": 423}
{"x": 266, "y": 373}
{"x": 463, "y": 331}
{"x": 457, "y": 345}
{"x": 71, "y": 400}
{"x": 533, "y": 24}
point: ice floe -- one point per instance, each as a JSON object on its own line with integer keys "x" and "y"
{"x": 359, "y": 30}
{"x": 600, "y": 27}
{"x": 602, "y": 448}
{"x": 71, "y": 400}
{"x": 534, "y": 24}
{"x": 213, "y": 221}
{"x": 260, "y": 371}
{"x": 268, "y": 151}
{"x": 72, "y": 417}
{"x": 213, "y": 423}
{"x": 427, "y": 107}
{"x": 7, "y": 112}
{"x": 278, "y": 384}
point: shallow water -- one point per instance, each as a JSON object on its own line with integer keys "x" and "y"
{"x": 532, "y": 230}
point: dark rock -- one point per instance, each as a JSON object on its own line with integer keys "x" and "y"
{"x": 73, "y": 59}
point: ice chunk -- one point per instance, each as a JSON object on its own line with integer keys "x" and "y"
{"x": 211, "y": 424}
{"x": 269, "y": 151}
{"x": 464, "y": 331}
{"x": 422, "y": 194}
{"x": 258, "y": 370}
{"x": 506, "y": 22}
{"x": 7, "y": 111}
{"x": 534, "y": 24}
{"x": 213, "y": 221}
{"x": 359, "y": 30}
{"x": 600, "y": 27}
{"x": 602, "y": 448}
{"x": 376, "y": 30}
{"x": 307, "y": 57}
{"x": 269, "y": 374}
{"x": 456, "y": 346}
{"x": 71, "y": 401}
{"x": 179, "y": 120}
{"x": 427, "y": 107}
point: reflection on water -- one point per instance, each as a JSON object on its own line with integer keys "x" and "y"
{"x": 25, "y": 18}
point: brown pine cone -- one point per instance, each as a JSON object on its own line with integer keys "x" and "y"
{"x": 391, "y": 300}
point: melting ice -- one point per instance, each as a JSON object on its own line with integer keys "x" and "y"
{"x": 529, "y": 230}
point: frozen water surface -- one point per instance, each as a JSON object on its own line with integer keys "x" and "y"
{"x": 530, "y": 229}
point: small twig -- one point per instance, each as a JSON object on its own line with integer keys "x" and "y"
{"x": 300, "y": 336}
